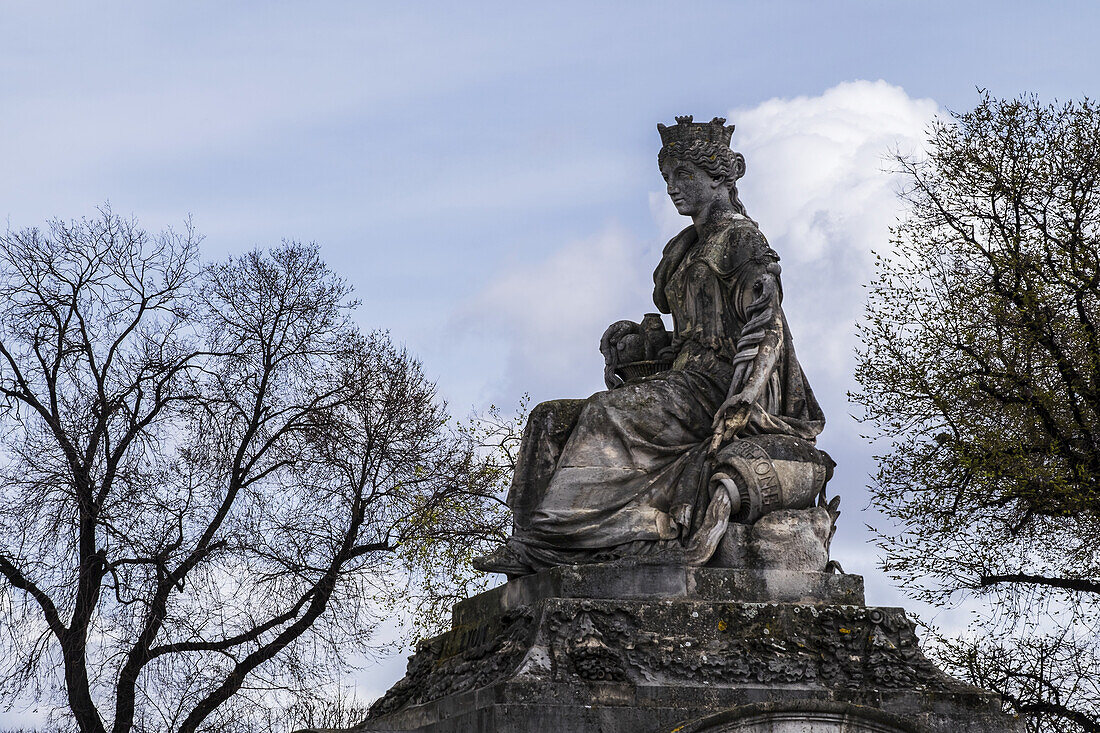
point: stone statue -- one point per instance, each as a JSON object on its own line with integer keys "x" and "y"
{"x": 702, "y": 431}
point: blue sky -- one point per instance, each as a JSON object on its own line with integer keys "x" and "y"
{"x": 485, "y": 174}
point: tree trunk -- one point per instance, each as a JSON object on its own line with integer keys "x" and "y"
{"x": 73, "y": 646}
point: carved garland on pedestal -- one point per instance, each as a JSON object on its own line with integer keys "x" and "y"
{"x": 834, "y": 646}
{"x": 718, "y": 644}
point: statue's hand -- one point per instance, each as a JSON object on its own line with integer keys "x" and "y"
{"x": 681, "y": 514}
{"x": 735, "y": 407}
{"x": 730, "y": 418}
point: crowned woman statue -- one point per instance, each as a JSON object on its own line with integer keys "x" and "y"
{"x": 710, "y": 424}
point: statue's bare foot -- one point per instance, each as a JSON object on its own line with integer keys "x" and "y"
{"x": 706, "y": 538}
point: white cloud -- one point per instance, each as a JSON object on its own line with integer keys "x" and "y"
{"x": 819, "y": 185}
{"x": 815, "y": 165}
{"x": 552, "y": 313}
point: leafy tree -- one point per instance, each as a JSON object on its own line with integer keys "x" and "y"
{"x": 980, "y": 365}
{"x": 440, "y": 567}
{"x": 210, "y": 479}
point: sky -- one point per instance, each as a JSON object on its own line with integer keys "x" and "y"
{"x": 484, "y": 174}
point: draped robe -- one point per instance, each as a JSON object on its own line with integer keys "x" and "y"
{"x": 597, "y": 479}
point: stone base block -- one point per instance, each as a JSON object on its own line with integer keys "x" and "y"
{"x": 637, "y": 581}
{"x": 643, "y": 649}
{"x": 611, "y": 708}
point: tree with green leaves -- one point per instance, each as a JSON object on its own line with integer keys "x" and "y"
{"x": 980, "y": 370}
{"x": 213, "y": 484}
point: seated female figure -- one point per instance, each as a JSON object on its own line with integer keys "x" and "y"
{"x": 658, "y": 467}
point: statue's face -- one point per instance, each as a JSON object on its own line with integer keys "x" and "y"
{"x": 691, "y": 188}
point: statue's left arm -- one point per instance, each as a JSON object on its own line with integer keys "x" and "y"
{"x": 758, "y": 348}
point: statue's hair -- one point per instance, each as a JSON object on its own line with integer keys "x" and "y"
{"x": 716, "y": 159}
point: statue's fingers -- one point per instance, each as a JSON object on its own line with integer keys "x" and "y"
{"x": 715, "y": 441}
{"x": 735, "y": 424}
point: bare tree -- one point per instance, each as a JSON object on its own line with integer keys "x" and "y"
{"x": 207, "y": 474}
{"x": 981, "y": 366}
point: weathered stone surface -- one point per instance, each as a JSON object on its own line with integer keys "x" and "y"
{"x": 629, "y": 580}
{"x": 812, "y": 716}
{"x": 616, "y": 708}
{"x": 547, "y": 652}
{"x": 710, "y": 422}
{"x": 787, "y": 539}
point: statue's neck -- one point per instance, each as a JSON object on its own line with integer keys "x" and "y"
{"x": 716, "y": 216}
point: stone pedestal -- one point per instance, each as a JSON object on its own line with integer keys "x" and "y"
{"x": 627, "y": 648}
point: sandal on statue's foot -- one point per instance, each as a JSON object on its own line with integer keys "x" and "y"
{"x": 502, "y": 560}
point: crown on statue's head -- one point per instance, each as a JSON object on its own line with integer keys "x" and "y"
{"x": 685, "y": 132}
